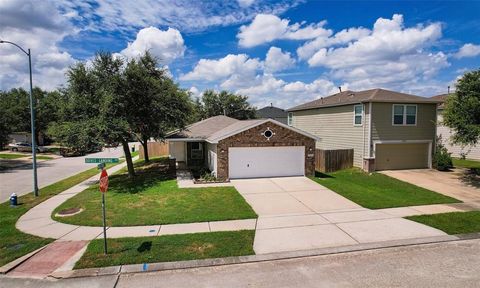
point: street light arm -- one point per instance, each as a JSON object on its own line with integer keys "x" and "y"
{"x": 8, "y": 42}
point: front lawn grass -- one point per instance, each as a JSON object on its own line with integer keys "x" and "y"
{"x": 13, "y": 243}
{"x": 465, "y": 163}
{"x": 376, "y": 191}
{"x": 168, "y": 248}
{"x": 43, "y": 157}
{"x": 451, "y": 223}
{"x": 12, "y": 156}
{"x": 153, "y": 198}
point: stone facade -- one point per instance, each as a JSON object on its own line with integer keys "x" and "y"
{"x": 253, "y": 138}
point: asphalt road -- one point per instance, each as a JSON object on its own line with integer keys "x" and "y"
{"x": 452, "y": 264}
{"x": 20, "y": 180}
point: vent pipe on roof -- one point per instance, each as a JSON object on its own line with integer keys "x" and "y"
{"x": 340, "y": 88}
{"x": 271, "y": 104}
{"x": 321, "y": 100}
{"x": 448, "y": 89}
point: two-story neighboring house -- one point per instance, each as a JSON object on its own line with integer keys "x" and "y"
{"x": 386, "y": 129}
{"x": 469, "y": 151}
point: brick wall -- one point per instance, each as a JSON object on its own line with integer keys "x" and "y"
{"x": 254, "y": 138}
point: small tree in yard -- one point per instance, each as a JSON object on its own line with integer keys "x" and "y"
{"x": 462, "y": 110}
{"x": 157, "y": 105}
{"x": 442, "y": 159}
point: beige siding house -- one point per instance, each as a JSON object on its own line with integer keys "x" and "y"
{"x": 386, "y": 129}
{"x": 470, "y": 152}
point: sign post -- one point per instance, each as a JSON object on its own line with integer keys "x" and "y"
{"x": 103, "y": 189}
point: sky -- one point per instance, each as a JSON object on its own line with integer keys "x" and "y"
{"x": 280, "y": 52}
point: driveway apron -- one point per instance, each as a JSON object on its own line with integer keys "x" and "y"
{"x": 296, "y": 213}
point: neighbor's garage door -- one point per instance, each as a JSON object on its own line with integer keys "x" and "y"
{"x": 252, "y": 162}
{"x": 401, "y": 156}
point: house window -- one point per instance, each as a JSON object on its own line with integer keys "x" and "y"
{"x": 290, "y": 118}
{"x": 404, "y": 114}
{"x": 196, "y": 150}
{"x": 358, "y": 114}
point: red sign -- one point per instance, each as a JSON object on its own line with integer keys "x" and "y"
{"x": 104, "y": 181}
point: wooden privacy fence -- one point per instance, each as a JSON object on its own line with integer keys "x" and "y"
{"x": 155, "y": 149}
{"x": 333, "y": 160}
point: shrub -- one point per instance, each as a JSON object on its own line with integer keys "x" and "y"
{"x": 442, "y": 158}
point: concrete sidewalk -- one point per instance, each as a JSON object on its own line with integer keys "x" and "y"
{"x": 296, "y": 213}
{"x": 37, "y": 221}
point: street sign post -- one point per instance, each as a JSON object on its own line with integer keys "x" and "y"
{"x": 101, "y": 160}
{"x": 103, "y": 189}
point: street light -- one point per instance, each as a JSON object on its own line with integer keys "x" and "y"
{"x": 32, "y": 116}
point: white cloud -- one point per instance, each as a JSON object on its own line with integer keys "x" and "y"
{"x": 276, "y": 60}
{"x": 468, "y": 50}
{"x": 388, "y": 41}
{"x": 46, "y": 28}
{"x": 184, "y": 15}
{"x": 239, "y": 65}
{"x": 266, "y": 28}
{"x": 245, "y": 3}
{"x": 166, "y": 45}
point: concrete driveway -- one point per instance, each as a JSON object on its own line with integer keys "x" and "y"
{"x": 296, "y": 213}
{"x": 456, "y": 183}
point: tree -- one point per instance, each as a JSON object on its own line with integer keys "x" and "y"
{"x": 5, "y": 125}
{"x": 462, "y": 110}
{"x": 94, "y": 110}
{"x": 225, "y": 103}
{"x": 157, "y": 104}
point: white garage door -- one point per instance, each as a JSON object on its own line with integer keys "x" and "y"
{"x": 253, "y": 162}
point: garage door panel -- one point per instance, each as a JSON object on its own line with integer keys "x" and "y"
{"x": 401, "y": 156}
{"x": 253, "y": 162}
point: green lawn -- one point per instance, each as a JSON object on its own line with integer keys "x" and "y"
{"x": 377, "y": 190}
{"x": 152, "y": 198}
{"x": 465, "y": 163}
{"x": 43, "y": 157}
{"x": 135, "y": 153}
{"x": 168, "y": 248}
{"x": 452, "y": 223}
{"x": 12, "y": 156}
{"x": 14, "y": 243}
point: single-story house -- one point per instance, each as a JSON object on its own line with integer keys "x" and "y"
{"x": 232, "y": 148}
{"x": 272, "y": 112}
{"x": 386, "y": 129}
{"x": 470, "y": 152}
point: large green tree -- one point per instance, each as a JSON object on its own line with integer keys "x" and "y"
{"x": 157, "y": 104}
{"x": 462, "y": 110}
{"x": 224, "y": 103}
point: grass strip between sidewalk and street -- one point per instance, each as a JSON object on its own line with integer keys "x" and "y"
{"x": 168, "y": 248}
{"x": 377, "y": 191}
{"x": 451, "y": 223}
{"x": 152, "y": 197}
{"x": 14, "y": 243}
{"x": 12, "y": 156}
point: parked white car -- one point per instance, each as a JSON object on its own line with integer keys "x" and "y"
{"x": 24, "y": 147}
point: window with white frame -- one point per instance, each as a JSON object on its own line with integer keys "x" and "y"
{"x": 404, "y": 114}
{"x": 358, "y": 115}
{"x": 290, "y": 119}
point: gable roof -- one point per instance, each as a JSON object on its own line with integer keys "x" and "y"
{"x": 218, "y": 128}
{"x": 271, "y": 112}
{"x": 356, "y": 97}
{"x": 441, "y": 98}
{"x": 203, "y": 129}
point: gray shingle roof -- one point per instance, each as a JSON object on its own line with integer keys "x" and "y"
{"x": 204, "y": 129}
{"x": 271, "y": 112}
{"x": 441, "y": 98}
{"x": 353, "y": 97}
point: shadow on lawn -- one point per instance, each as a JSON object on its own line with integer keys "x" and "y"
{"x": 145, "y": 246}
{"x": 146, "y": 176}
{"x": 322, "y": 175}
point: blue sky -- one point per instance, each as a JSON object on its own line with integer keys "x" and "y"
{"x": 280, "y": 52}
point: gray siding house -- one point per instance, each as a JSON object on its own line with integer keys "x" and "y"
{"x": 386, "y": 129}
{"x": 469, "y": 151}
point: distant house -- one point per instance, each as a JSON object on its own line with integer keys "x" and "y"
{"x": 386, "y": 129}
{"x": 232, "y": 148}
{"x": 272, "y": 112}
{"x": 470, "y": 152}
{"x": 16, "y": 137}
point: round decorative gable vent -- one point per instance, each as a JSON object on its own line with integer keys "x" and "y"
{"x": 268, "y": 133}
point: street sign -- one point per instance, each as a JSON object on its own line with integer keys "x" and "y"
{"x": 101, "y": 160}
{"x": 104, "y": 181}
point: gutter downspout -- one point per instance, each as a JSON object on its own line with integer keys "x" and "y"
{"x": 369, "y": 129}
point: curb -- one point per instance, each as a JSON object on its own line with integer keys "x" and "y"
{"x": 164, "y": 266}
